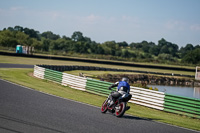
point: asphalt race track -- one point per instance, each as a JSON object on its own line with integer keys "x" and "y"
{"x": 23, "y": 110}
{"x": 5, "y": 65}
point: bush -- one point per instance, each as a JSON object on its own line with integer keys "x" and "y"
{"x": 192, "y": 57}
{"x": 155, "y": 89}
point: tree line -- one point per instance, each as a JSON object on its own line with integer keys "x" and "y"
{"x": 48, "y": 42}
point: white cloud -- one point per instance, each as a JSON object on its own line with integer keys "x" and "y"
{"x": 195, "y": 27}
{"x": 92, "y": 18}
{"x": 176, "y": 25}
{"x": 16, "y": 8}
{"x": 181, "y": 26}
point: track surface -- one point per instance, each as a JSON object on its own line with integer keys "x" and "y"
{"x": 29, "y": 111}
{"x": 5, "y": 65}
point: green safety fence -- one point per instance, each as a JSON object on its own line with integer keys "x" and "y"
{"x": 98, "y": 87}
{"x": 53, "y": 75}
{"x": 182, "y": 105}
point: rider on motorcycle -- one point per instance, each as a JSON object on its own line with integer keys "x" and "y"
{"x": 122, "y": 88}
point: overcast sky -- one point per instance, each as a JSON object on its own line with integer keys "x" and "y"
{"x": 177, "y": 21}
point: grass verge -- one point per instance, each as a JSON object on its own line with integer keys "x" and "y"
{"x": 22, "y": 76}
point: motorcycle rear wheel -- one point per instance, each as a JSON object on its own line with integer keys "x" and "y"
{"x": 104, "y": 106}
{"x": 121, "y": 109}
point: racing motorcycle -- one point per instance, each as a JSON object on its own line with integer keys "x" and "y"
{"x": 119, "y": 107}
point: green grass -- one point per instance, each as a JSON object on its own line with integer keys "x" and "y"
{"x": 94, "y": 74}
{"x": 100, "y": 73}
{"x": 33, "y": 61}
{"x": 23, "y": 77}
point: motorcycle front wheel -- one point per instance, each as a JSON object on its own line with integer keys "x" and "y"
{"x": 120, "y": 109}
{"x": 104, "y": 106}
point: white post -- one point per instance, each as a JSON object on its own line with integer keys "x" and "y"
{"x": 197, "y": 75}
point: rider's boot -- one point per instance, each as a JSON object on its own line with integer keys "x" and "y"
{"x": 127, "y": 108}
{"x": 111, "y": 103}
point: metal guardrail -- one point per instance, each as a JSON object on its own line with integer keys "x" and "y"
{"x": 75, "y": 82}
{"x": 182, "y": 105}
{"x": 53, "y": 75}
{"x": 148, "y": 98}
{"x": 98, "y": 87}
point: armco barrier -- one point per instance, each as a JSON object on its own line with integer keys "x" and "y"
{"x": 149, "y": 98}
{"x": 53, "y": 75}
{"x": 75, "y": 82}
{"x": 39, "y": 72}
{"x": 98, "y": 87}
{"x": 182, "y": 105}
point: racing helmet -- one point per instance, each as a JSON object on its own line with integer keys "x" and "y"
{"x": 125, "y": 79}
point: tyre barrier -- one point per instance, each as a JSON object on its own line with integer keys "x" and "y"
{"x": 144, "y": 97}
{"x": 90, "y": 68}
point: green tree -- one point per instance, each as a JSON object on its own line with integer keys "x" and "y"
{"x": 22, "y": 38}
{"x": 50, "y": 35}
{"x": 45, "y": 44}
{"x": 184, "y": 50}
{"x": 77, "y": 36}
{"x": 19, "y": 28}
{"x": 99, "y": 49}
{"x": 8, "y": 39}
{"x": 87, "y": 39}
{"x": 125, "y": 53}
{"x": 32, "y": 33}
{"x": 165, "y": 57}
{"x": 154, "y": 50}
{"x": 136, "y": 45}
{"x": 10, "y": 29}
{"x": 66, "y": 38}
{"x": 164, "y": 50}
{"x": 173, "y": 49}
{"x": 145, "y": 46}
{"x": 167, "y": 47}
{"x": 123, "y": 44}
{"x": 37, "y": 44}
{"x": 192, "y": 57}
{"x": 110, "y": 47}
{"x": 162, "y": 43}
{"x": 197, "y": 46}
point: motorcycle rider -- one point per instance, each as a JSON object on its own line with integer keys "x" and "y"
{"x": 123, "y": 87}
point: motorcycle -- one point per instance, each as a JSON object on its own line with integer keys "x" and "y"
{"x": 119, "y": 107}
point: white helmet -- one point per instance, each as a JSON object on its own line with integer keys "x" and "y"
{"x": 125, "y": 79}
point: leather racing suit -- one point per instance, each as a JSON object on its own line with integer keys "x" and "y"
{"x": 122, "y": 88}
